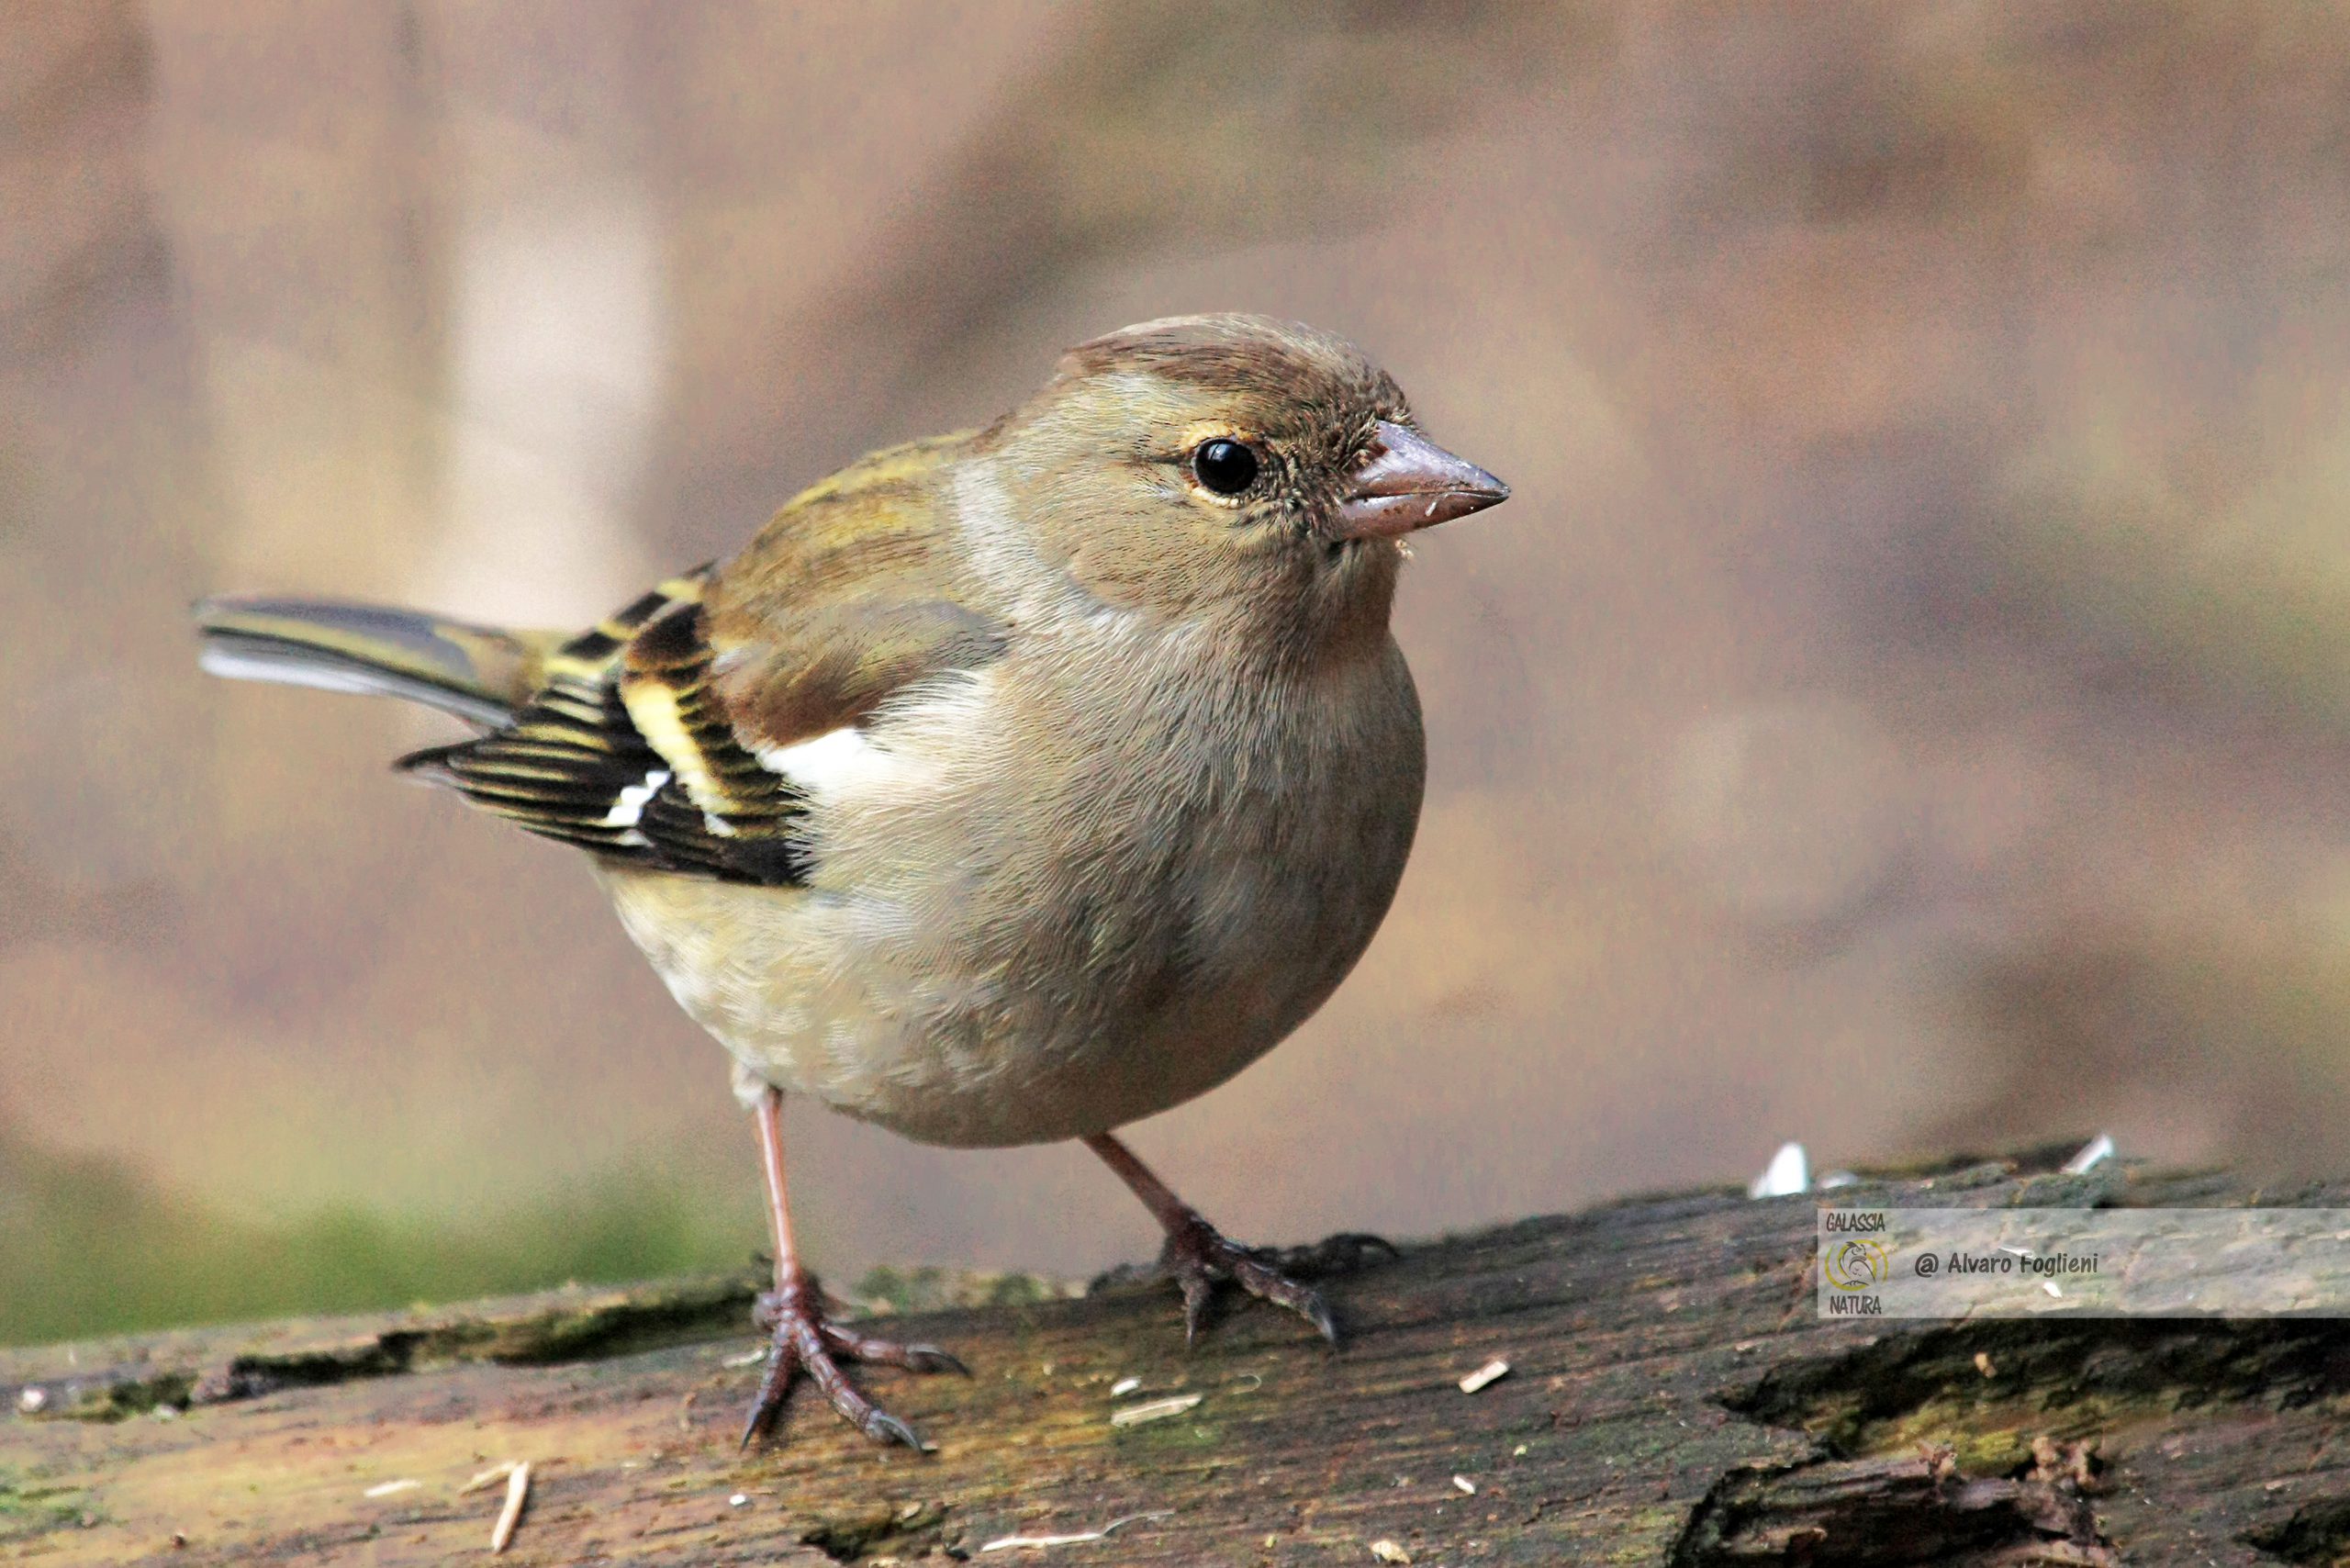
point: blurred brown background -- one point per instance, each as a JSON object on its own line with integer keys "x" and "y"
{"x": 1907, "y": 703}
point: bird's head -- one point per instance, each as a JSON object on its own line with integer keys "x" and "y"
{"x": 1231, "y": 468}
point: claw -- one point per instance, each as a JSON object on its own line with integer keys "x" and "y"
{"x": 931, "y": 1358}
{"x": 1317, "y": 1311}
{"x": 774, "y": 1383}
{"x": 762, "y": 1417}
{"x": 1198, "y": 1259}
{"x": 884, "y": 1428}
{"x": 807, "y": 1341}
{"x": 1198, "y": 1291}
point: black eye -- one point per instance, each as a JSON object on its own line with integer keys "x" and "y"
{"x": 1227, "y": 468}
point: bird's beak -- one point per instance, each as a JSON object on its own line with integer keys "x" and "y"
{"x": 1409, "y": 482}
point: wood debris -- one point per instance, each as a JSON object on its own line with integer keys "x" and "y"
{"x": 1155, "y": 1410}
{"x": 1124, "y": 1386}
{"x": 1465, "y": 1485}
{"x": 490, "y": 1477}
{"x": 1386, "y": 1550}
{"x": 1005, "y": 1542}
{"x": 517, "y": 1492}
{"x": 2091, "y": 1155}
{"x": 391, "y": 1488}
{"x": 1492, "y": 1372}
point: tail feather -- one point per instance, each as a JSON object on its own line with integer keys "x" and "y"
{"x": 479, "y": 673}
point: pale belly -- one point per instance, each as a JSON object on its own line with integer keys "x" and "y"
{"x": 1011, "y": 948}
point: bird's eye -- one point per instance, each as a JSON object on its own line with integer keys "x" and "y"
{"x": 1224, "y": 466}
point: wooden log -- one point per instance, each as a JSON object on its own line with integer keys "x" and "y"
{"x": 1673, "y": 1397}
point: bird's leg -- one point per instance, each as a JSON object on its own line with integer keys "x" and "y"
{"x": 1198, "y": 1257}
{"x": 806, "y": 1341}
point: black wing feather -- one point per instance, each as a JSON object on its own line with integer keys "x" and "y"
{"x": 577, "y": 765}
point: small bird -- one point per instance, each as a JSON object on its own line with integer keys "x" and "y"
{"x": 1008, "y": 786}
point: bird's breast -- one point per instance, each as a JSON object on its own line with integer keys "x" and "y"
{"x": 1070, "y": 889}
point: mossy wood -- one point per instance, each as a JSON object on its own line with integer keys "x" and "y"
{"x": 1673, "y": 1397}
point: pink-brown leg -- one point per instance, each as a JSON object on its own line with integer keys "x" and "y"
{"x": 806, "y": 1340}
{"x": 1199, "y": 1258}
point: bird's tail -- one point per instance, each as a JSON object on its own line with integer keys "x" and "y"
{"x": 478, "y": 673}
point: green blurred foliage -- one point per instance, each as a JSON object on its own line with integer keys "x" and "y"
{"x": 93, "y": 1249}
{"x": 30, "y": 1508}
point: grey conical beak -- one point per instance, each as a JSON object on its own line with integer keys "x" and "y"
{"x": 1409, "y": 482}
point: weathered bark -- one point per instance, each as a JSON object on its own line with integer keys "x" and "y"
{"x": 1672, "y": 1398}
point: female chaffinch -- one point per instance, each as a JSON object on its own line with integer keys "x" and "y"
{"x": 1008, "y": 786}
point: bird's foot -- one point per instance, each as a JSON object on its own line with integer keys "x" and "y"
{"x": 1199, "y": 1258}
{"x": 807, "y": 1340}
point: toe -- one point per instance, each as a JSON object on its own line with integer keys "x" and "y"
{"x": 890, "y": 1354}
{"x": 775, "y": 1387}
{"x": 1266, "y": 1284}
{"x": 862, "y": 1413}
{"x": 1338, "y": 1254}
{"x": 1356, "y": 1245}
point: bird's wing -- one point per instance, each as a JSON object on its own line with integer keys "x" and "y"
{"x": 656, "y": 739}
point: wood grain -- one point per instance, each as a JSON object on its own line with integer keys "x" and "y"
{"x": 1672, "y": 1398}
